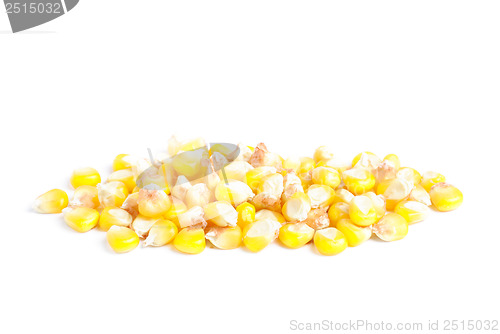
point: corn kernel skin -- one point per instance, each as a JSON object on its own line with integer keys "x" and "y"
{"x": 295, "y": 235}
{"x": 445, "y": 197}
{"x": 391, "y": 227}
{"x": 225, "y": 237}
{"x": 362, "y": 212}
{"x": 246, "y": 214}
{"x": 190, "y": 240}
{"x": 330, "y": 241}
{"x": 122, "y": 239}
{"x": 81, "y": 219}
{"x": 85, "y": 177}
{"x": 429, "y": 179}
{"x": 53, "y": 201}
{"x": 326, "y": 176}
{"x": 337, "y": 212}
{"x": 354, "y": 234}
{"x": 114, "y": 216}
{"x": 358, "y": 181}
{"x": 412, "y": 211}
{"x": 120, "y": 162}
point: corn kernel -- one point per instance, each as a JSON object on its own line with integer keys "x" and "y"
{"x": 396, "y": 191}
{"x": 178, "y": 207}
{"x": 358, "y": 180}
{"x": 254, "y": 177}
{"x": 354, "y": 234}
{"x": 131, "y": 204}
{"x": 153, "y": 203}
{"x": 221, "y": 214}
{"x": 394, "y": 159}
{"x": 155, "y": 178}
{"x": 297, "y": 207}
{"x": 330, "y": 241}
{"x": 385, "y": 171}
{"x": 122, "y": 239}
{"x": 409, "y": 174}
{"x": 224, "y": 237}
{"x": 419, "y": 194}
{"x": 193, "y": 144}
{"x": 246, "y": 214}
{"x": 189, "y": 163}
{"x": 317, "y": 219}
{"x": 343, "y": 195}
{"x": 295, "y": 235}
{"x": 192, "y": 217}
{"x": 142, "y": 224}
{"x": 161, "y": 233}
{"x": 431, "y": 178}
{"x": 121, "y": 161}
{"x": 306, "y": 164}
{"x": 198, "y": 195}
{"x": 445, "y": 197}
{"x": 268, "y": 214}
{"x": 53, "y": 201}
{"x": 292, "y": 163}
{"x": 85, "y": 177}
{"x": 337, "y": 212}
{"x": 181, "y": 187}
{"x": 234, "y": 192}
{"x": 81, "y": 219}
{"x": 326, "y": 176}
{"x": 272, "y": 184}
{"x": 85, "y": 196}
{"x": 236, "y": 170}
{"x": 378, "y": 202}
{"x": 292, "y": 184}
{"x": 391, "y": 227}
{"x": 190, "y": 240}
{"x": 322, "y": 153}
{"x": 362, "y": 154}
{"x": 259, "y": 234}
{"x": 361, "y": 211}
{"x": 229, "y": 151}
{"x": 367, "y": 161}
{"x": 114, "y": 216}
{"x": 337, "y": 164}
{"x": 306, "y": 179}
{"x": 112, "y": 193}
{"x": 413, "y": 212}
{"x": 124, "y": 175}
{"x": 320, "y": 195}
{"x": 266, "y": 201}
{"x": 262, "y": 157}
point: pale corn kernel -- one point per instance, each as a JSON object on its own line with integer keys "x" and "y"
{"x": 268, "y": 214}
{"x": 131, "y": 204}
{"x": 161, "y": 233}
{"x": 217, "y": 161}
{"x": 121, "y": 161}
{"x": 292, "y": 185}
{"x": 317, "y": 219}
{"x": 124, "y": 175}
{"x": 228, "y": 151}
{"x": 234, "y": 192}
{"x": 322, "y": 153}
{"x": 189, "y": 163}
{"x": 224, "y": 237}
{"x": 337, "y": 212}
{"x": 335, "y": 163}
{"x": 330, "y": 241}
{"x": 306, "y": 164}
{"x": 266, "y": 201}
{"x": 53, "y": 201}
{"x": 262, "y": 157}
{"x": 320, "y": 195}
{"x": 272, "y": 184}
{"x": 193, "y": 144}
{"x": 198, "y": 195}
{"x": 181, "y": 187}
{"x": 190, "y": 240}
{"x": 85, "y": 177}
{"x": 292, "y": 163}
{"x": 386, "y": 170}
{"x": 412, "y": 211}
{"x": 343, "y": 195}
{"x": 155, "y": 178}
{"x": 326, "y": 176}
{"x": 114, "y": 216}
{"x": 122, "y": 239}
{"x": 367, "y": 161}
{"x": 259, "y": 234}
{"x": 173, "y": 145}
{"x": 394, "y": 159}
{"x": 445, "y": 197}
{"x": 245, "y": 153}
{"x": 221, "y": 214}
{"x": 191, "y": 217}
{"x": 254, "y": 177}
{"x": 429, "y": 179}
{"x": 354, "y": 234}
{"x": 361, "y": 211}
{"x": 81, "y": 219}
{"x": 141, "y": 225}
{"x": 297, "y": 207}
{"x": 112, "y": 193}
{"x": 378, "y": 202}
{"x": 358, "y": 180}
{"x": 246, "y": 214}
{"x": 409, "y": 174}
{"x": 295, "y": 235}
{"x": 391, "y": 227}
{"x": 85, "y": 196}
{"x": 358, "y": 157}
{"x": 236, "y": 170}
{"x": 153, "y": 203}
{"x": 178, "y": 207}
{"x": 397, "y": 191}
{"x": 419, "y": 194}
{"x": 306, "y": 179}
{"x": 211, "y": 180}
{"x": 137, "y": 165}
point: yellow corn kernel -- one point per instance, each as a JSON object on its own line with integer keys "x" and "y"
{"x": 396, "y": 191}
{"x": 295, "y": 235}
{"x": 306, "y": 179}
{"x": 85, "y": 196}
{"x": 297, "y": 207}
{"x": 121, "y": 161}
{"x": 153, "y": 203}
{"x": 337, "y": 164}
{"x": 246, "y": 214}
{"x": 361, "y": 211}
{"x": 85, "y": 177}
{"x": 291, "y": 185}
{"x": 419, "y": 194}
{"x": 378, "y": 203}
{"x": 330, "y": 241}
{"x": 227, "y": 150}
{"x": 236, "y": 170}
{"x": 192, "y": 217}
{"x": 268, "y": 214}
{"x": 337, "y": 212}
{"x": 193, "y": 144}
{"x": 178, "y": 207}
{"x": 255, "y": 176}
{"x": 53, "y": 201}
{"x": 259, "y": 234}
{"x": 224, "y": 237}
{"x": 358, "y": 157}
{"x": 320, "y": 195}
{"x": 189, "y": 163}
{"x": 326, "y": 176}
{"x": 391, "y": 227}
{"x": 141, "y": 225}
{"x": 272, "y": 184}
{"x": 343, "y": 195}
{"x": 413, "y": 212}
{"x": 322, "y": 153}
{"x": 112, "y": 193}
{"x": 190, "y": 240}
{"x": 445, "y": 197}
{"x": 221, "y": 214}
{"x": 306, "y": 164}
{"x": 198, "y": 195}
{"x": 354, "y": 234}
{"x": 158, "y": 178}
{"x": 81, "y": 219}
{"x": 114, "y": 216}
{"x": 431, "y": 178}
{"x": 292, "y": 163}
{"x": 358, "y": 180}
{"x": 131, "y": 204}
{"x": 394, "y": 159}
{"x": 409, "y": 174}
{"x": 161, "y": 233}
{"x": 124, "y": 175}
{"x": 234, "y": 192}
{"x": 122, "y": 239}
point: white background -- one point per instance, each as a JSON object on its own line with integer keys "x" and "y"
{"x": 419, "y": 79}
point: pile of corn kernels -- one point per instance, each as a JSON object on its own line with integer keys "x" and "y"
{"x": 249, "y": 196}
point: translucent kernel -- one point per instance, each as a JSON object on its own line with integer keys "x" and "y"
{"x": 122, "y": 239}
{"x": 322, "y": 153}
{"x": 412, "y": 211}
{"x": 446, "y": 197}
{"x": 295, "y": 235}
{"x": 391, "y": 227}
{"x": 330, "y": 241}
{"x": 190, "y": 240}
{"x": 354, "y": 234}
{"x": 53, "y": 201}
{"x": 224, "y": 237}
{"x": 394, "y": 159}
{"x": 85, "y": 176}
{"x": 153, "y": 203}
